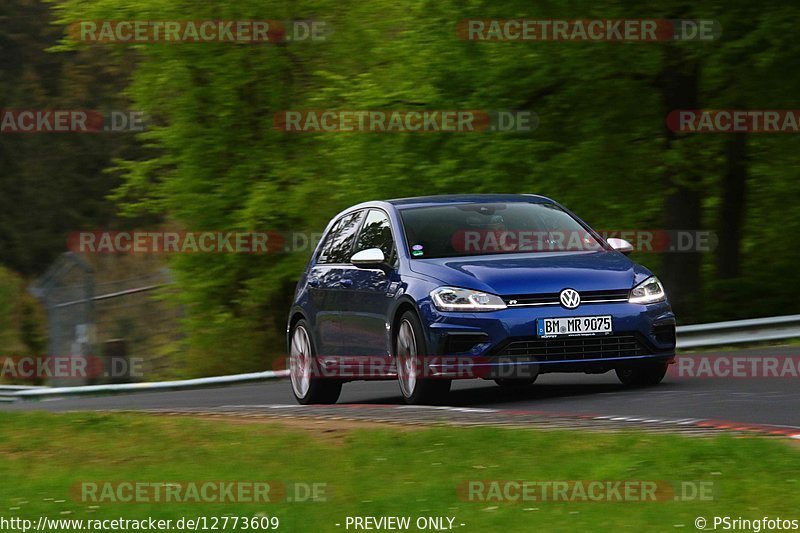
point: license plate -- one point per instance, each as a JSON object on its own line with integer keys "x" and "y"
{"x": 573, "y": 326}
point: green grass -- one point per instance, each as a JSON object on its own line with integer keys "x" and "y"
{"x": 386, "y": 471}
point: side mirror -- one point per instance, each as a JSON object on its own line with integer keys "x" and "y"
{"x": 620, "y": 245}
{"x": 369, "y": 258}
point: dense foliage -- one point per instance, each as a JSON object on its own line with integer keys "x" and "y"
{"x": 212, "y": 159}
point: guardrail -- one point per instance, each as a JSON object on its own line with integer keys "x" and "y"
{"x": 693, "y": 336}
{"x": 214, "y": 381}
{"x": 739, "y": 331}
{"x": 7, "y": 392}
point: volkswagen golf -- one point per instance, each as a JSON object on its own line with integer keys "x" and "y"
{"x": 501, "y": 287}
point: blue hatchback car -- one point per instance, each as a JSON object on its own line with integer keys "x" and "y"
{"x": 503, "y": 287}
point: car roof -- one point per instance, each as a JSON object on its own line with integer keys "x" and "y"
{"x": 422, "y": 201}
{"x": 442, "y": 199}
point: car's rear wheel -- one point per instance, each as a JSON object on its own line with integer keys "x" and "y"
{"x": 409, "y": 348}
{"x": 645, "y": 374}
{"x": 307, "y": 384}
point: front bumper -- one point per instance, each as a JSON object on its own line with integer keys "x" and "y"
{"x": 504, "y": 343}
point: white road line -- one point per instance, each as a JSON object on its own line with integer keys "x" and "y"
{"x": 266, "y": 406}
{"x": 447, "y": 408}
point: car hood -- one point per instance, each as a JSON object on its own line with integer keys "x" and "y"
{"x": 541, "y": 272}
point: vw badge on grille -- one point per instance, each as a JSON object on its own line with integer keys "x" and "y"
{"x": 570, "y": 298}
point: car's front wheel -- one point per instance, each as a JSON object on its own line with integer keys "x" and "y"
{"x": 645, "y": 374}
{"x": 307, "y": 384}
{"x": 409, "y": 349}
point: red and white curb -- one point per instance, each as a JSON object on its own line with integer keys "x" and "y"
{"x": 788, "y": 431}
{"x": 474, "y": 416}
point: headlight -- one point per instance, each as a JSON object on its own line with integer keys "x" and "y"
{"x": 649, "y": 291}
{"x": 455, "y": 299}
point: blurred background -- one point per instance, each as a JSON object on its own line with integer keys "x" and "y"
{"x": 211, "y": 157}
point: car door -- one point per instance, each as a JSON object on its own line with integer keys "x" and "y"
{"x": 367, "y": 298}
{"x": 321, "y": 283}
{"x": 335, "y": 281}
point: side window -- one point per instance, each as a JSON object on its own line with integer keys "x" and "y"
{"x": 376, "y": 233}
{"x": 342, "y": 243}
{"x": 325, "y": 249}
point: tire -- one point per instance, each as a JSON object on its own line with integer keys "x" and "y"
{"x": 409, "y": 344}
{"x": 515, "y": 383}
{"x": 641, "y": 375}
{"x": 307, "y": 386}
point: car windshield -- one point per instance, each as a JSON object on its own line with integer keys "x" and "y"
{"x": 459, "y": 230}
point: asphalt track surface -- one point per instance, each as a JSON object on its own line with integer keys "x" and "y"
{"x": 762, "y": 401}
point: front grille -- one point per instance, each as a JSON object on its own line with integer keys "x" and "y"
{"x": 615, "y": 295}
{"x": 532, "y": 299}
{"x": 571, "y": 348}
{"x": 600, "y": 296}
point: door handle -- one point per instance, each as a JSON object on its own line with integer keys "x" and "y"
{"x": 346, "y": 283}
